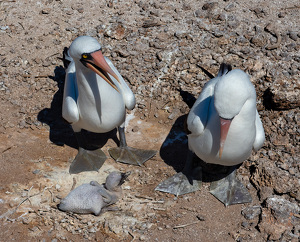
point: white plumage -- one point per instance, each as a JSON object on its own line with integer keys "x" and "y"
{"x": 224, "y": 127}
{"x": 90, "y": 102}
{"x": 231, "y": 96}
{"x": 95, "y": 99}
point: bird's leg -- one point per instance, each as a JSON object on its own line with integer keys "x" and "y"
{"x": 129, "y": 155}
{"x": 86, "y": 160}
{"x": 230, "y": 190}
{"x": 109, "y": 209}
{"x": 122, "y": 137}
{"x": 107, "y": 198}
{"x": 183, "y": 182}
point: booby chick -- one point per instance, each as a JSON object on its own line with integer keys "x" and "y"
{"x": 224, "y": 127}
{"x": 95, "y": 99}
{"x": 93, "y": 197}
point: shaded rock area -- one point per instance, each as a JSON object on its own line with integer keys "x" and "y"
{"x": 166, "y": 51}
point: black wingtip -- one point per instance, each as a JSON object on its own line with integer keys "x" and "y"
{"x": 66, "y": 58}
{"x": 224, "y": 69}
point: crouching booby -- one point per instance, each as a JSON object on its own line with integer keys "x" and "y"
{"x": 224, "y": 127}
{"x": 95, "y": 99}
{"x": 93, "y": 197}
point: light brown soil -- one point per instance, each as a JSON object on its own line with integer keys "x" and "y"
{"x": 160, "y": 47}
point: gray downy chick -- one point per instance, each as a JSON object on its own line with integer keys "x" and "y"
{"x": 92, "y": 197}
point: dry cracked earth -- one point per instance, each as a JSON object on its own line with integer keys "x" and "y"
{"x": 166, "y": 51}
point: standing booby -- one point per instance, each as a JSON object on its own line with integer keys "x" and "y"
{"x": 224, "y": 127}
{"x": 93, "y": 197}
{"x": 95, "y": 99}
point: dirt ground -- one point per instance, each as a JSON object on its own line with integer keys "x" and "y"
{"x": 167, "y": 51}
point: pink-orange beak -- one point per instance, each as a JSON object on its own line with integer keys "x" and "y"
{"x": 225, "y": 124}
{"x": 98, "y": 64}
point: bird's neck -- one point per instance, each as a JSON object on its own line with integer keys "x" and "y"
{"x": 86, "y": 81}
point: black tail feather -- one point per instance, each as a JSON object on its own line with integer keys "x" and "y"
{"x": 66, "y": 58}
{"x": 224, "y": 69}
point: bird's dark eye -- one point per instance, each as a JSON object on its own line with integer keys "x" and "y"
{"x": 84, "y": 56}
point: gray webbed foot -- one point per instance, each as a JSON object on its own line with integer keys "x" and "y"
{"x": 179, "y": 184}
{"x": 87, "y": 160}
{"x": 230, "y": 190}
{"x": 187, "y": 181}
{"x": 130, "y": 155}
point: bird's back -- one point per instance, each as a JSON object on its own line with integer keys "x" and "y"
{"x": 83, "y": 199}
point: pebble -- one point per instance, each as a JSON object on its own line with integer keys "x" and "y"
{"x": 209, "y": 5}
{"x": 46, "y": 11}
{"x": 259, "y": 40}
{"x": 155, "y": 51}
{"x": 293, "y": 36}
{"x": 251, "y": 212}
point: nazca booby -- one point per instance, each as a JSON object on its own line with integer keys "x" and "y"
{"x": 224, "y": 127}
{"x": 93, "y": 197}
{"x": 95, "y": 99}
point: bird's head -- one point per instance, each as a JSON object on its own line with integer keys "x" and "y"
{"x": 231, "y": 93}
{"x": 115, "y": 179}
{"x": 87, "y": 50}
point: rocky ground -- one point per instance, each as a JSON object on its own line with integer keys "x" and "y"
{"x": 167, "y": 51}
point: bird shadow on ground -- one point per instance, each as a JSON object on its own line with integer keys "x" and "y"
{"x": 174, "y": 149}
{"x": 61, "y": 132}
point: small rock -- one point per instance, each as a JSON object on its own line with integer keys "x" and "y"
{"x": 278, "y": 217}
{"x": 281, "y": 14}
{"x": 245, "y": 224}
{"x": 80, "y": 10}
{"x": 57, "y": 187}
{"x": 200, "y": 217}
{"x": 259, "y": 40}
{"x": 135, "y": 129}
{"x": 230, "y": 7}
{"x": 251, "y": 212}
{"x": 209, "y": 6}
{"x": 116, "y": 31}
{"x": 293, "y": 36}
{"x": 174, "y": 113}
{"x": 282, "y": 209}
{"x": 265, "y": 192}
{"x": 150, "y": 23}
{"x": 46, "y": 11}
{"x": 93, "y": 230}
{"x": 259, "y": 12}
{"x": 22, "y": 124}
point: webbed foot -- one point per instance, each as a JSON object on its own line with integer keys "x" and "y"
{"x": 87, "y": 160}
{"x": 130, "y": 155}
{"x": 179, "y": 184}
{"x": 230, "y": 190}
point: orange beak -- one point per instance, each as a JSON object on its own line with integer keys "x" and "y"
{"x": 99, "y": 65}
{"x": 225, "y": 124}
